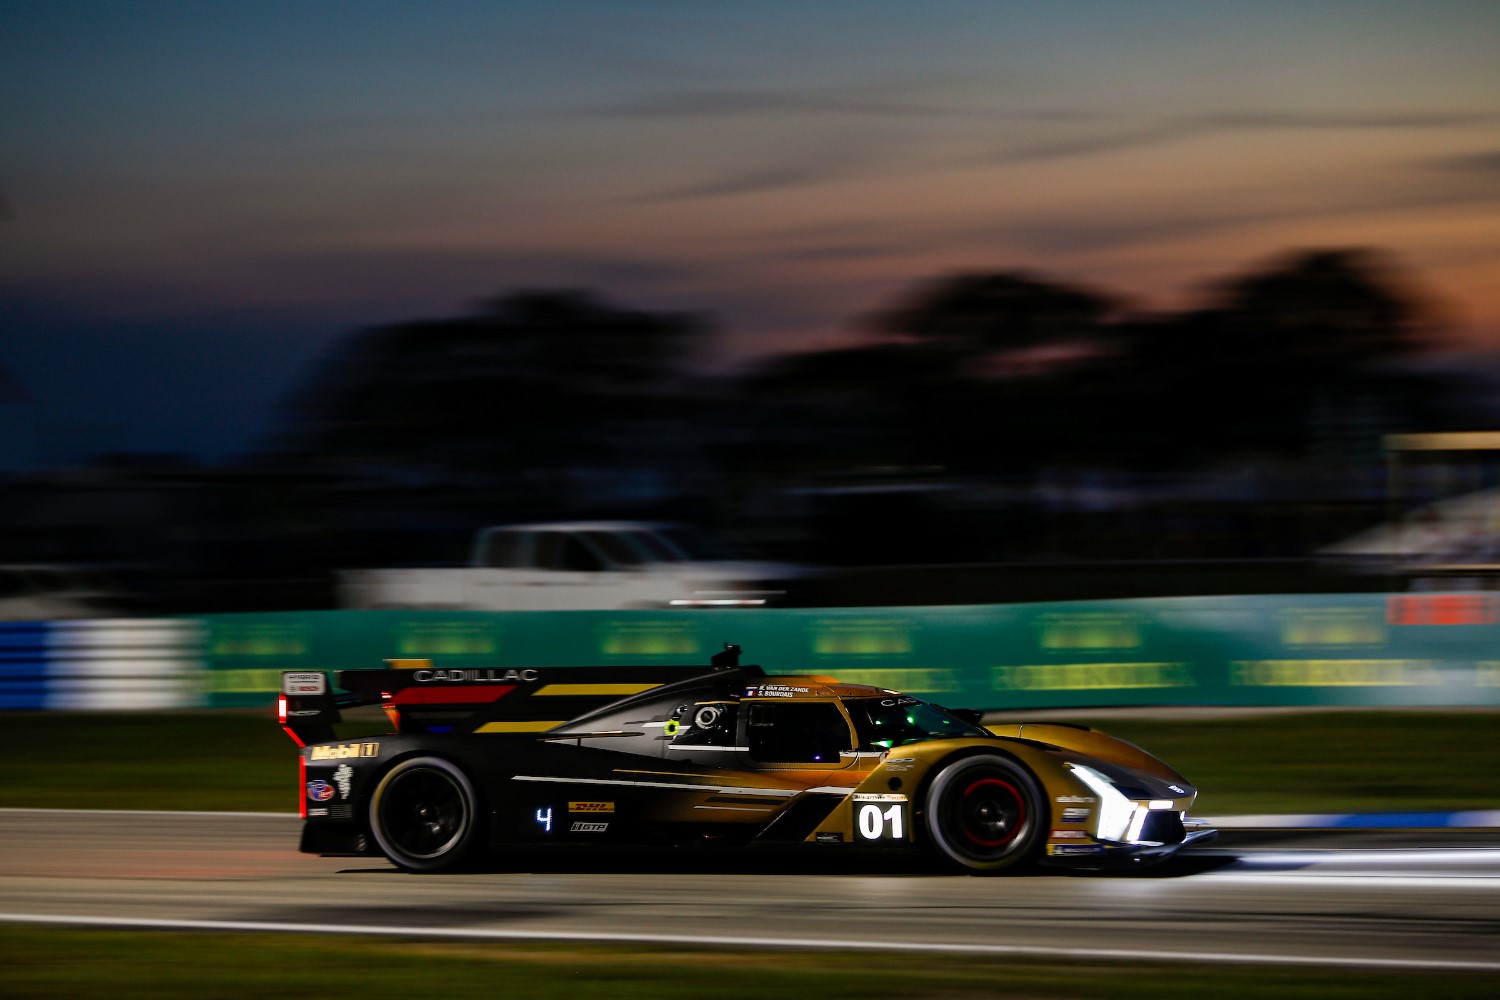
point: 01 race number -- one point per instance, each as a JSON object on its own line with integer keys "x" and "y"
{"x": 882, "y": 818}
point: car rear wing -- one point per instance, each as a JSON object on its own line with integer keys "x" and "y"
{"x": 307, "y": 707}
{"x": 419, "y": 696}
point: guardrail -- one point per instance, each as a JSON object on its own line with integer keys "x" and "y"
{"x": 1275, "y": 650}
{"x": 102, "y": 664}
{"x": 23, "y": 664}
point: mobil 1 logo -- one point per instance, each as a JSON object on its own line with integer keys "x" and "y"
{"x": 882, "y": 818}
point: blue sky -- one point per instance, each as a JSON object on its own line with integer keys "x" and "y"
{"x": 203, "y": 196}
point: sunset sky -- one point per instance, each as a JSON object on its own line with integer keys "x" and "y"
{"x": 200, "y": 197}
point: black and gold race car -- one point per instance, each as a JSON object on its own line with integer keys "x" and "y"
{"x": 484, "y": 758}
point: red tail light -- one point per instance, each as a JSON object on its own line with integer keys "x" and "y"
{"x": 281, "y": 717}
{"x": 302, "y": 786}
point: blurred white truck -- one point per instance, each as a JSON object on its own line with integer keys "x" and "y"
{"x": 579, "y": 566}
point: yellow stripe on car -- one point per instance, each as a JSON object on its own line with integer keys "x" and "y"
{"x": 518, "y": 727}
{"x": 583, "y": 690}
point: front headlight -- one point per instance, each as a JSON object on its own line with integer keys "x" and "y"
{"x": 1115, "y": 811}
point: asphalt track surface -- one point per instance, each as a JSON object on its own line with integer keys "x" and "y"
{"x": 1419, "y": 900}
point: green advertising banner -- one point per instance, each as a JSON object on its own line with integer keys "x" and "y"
{"x": 1275, "y": 650}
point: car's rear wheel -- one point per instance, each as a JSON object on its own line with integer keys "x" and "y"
{"x": 985, "y": 814}
{"x": 425, "y": 815}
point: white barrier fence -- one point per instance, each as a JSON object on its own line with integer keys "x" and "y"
{"x": 124, "y": 664}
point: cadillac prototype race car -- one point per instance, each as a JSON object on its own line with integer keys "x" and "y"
{"x": 484, "y": 758}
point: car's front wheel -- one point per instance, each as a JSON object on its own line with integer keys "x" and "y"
{"x": 985, "y": 814}
{"x": 424, "y": 814}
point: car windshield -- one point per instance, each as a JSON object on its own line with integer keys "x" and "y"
{"x": 625, "y": 548}
{"x": 901, "y": 719}
{"x": 699, "y": 546}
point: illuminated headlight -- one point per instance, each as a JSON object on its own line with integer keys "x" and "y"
{"x": 1116, "y": 812}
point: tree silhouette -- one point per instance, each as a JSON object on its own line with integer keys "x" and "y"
{"x": 1006, "y": 372}
{"x": 939, "y": 385}
{"x": 1321, "y": 312}
{"x": 534, "y": 379}
{"x": 984, "y": 313}
{"x": 1275, "y": 359}
{"x": 531, "y": 403}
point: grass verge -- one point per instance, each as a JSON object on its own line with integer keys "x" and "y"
{"x": 124, "y": 965}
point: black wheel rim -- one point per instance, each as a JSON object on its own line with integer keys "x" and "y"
{"x": 424, "y": 813}
{"x": 991, "y": 812}
{"x": 985, "y": 815}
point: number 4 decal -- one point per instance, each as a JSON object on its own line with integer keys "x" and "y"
{"x": 880, "y": 817}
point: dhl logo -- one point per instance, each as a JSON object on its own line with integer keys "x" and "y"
{"x": 591, "y": 807}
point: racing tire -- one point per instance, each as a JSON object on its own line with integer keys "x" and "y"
{"x": 424, "y": 815}
{"x": 985, "y": 815}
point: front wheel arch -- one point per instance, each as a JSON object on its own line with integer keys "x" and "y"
{"x": 984, "y": 813}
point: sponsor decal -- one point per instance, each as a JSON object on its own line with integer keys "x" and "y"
{"x": 1076, "y": 798}
{"x": 419, "y": 640}
{"x": 308, "y": 683}
{"x": 317, "y": 812}
{"x": 647, "y": 640}
{"x": 343, "y": 776}
{"x": 304, "y": 712}
{"x": 1331, "y": 673}
{"x": 776, "y": 691}
{"x": 878, "y": 797}
{"x": 1068, "y": 835}
{"x": 1091, "y": 676}
{"x": 866, "y": 638}
{"x": 1442, "y": 609}
{"x": 1179, "y": 791}
{"x": 1075, "y": 849}
{"x": 475, "y": 676}
{"x": 1090, "y": 630}
{"x": 832, "y": 837}
{"x": 319, "y": 791}
{"x": 1075, "y": 814}
{"x": 591, "y": 807}
{"x": 344, "y": 751}
{"x": 582, "y": 827}
{"x": 1332, "y": 627}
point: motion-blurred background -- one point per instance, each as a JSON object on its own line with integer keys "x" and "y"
{"x": 958, "y": 303}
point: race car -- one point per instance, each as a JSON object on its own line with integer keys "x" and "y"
{"x": 481, "y": 759}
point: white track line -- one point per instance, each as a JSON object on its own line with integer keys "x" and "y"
{"x": 1350, "y": 880}
{"x": 1366, "y": 856}
{"x": 727, "y": 941}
